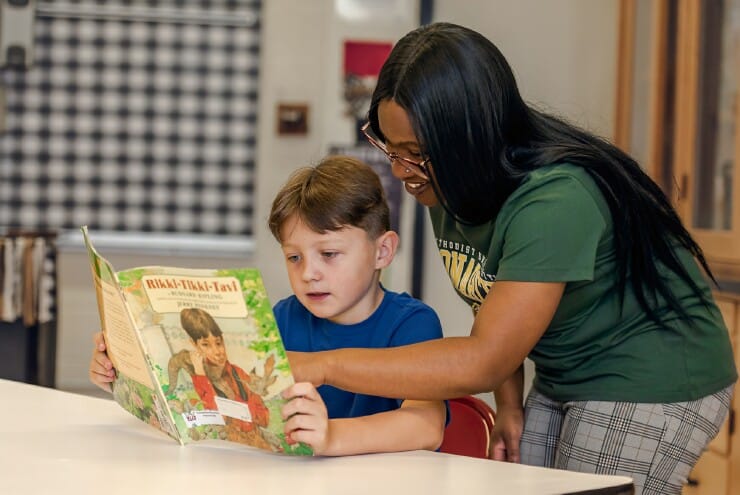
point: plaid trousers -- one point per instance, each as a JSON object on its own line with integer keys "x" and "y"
{"x": 656, "y": 445}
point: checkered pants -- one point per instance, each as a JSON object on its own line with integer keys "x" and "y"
{"x": 656, "y": 445}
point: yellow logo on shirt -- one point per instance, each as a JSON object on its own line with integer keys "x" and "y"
{"x": 465, "y": 272}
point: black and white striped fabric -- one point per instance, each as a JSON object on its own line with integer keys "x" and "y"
{"x": 135, "y": 116}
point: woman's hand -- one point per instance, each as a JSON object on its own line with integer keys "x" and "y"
{"x": 308, "y": 366}
{"x": 101, "y": 371}
{"x": 307, "y": 417}
{"x": 507, "y": 433}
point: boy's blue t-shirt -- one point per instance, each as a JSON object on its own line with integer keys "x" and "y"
{"x": 399, "y": 320}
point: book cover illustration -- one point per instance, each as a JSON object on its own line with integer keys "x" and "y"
{"x": 197, "y": 352}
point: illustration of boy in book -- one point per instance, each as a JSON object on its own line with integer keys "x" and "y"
{"x": 220, "y": 384}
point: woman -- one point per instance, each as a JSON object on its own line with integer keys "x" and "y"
{"x": 595, "y": 276}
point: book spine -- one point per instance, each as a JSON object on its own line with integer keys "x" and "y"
{"x": 161, "y": 409}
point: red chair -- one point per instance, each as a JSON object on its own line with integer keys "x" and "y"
{"x": 469, "y": 430}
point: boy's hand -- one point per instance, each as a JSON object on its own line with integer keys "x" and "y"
{"x": 101, "y": 368}
{"x": 307, "y": 418}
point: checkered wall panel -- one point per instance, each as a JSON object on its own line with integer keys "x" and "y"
{"x": 136, "y": 116}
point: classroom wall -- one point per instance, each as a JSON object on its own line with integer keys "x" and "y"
{"x": 563, "y": 54}
{"x": 301, "y": 52}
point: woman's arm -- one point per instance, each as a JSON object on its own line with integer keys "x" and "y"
{"x": 416, "y": 425}
{"x": 509, "y": 323}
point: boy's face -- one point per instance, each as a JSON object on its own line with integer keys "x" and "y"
{"x": 334, "y": 275}
{"x": 212, "y": 348}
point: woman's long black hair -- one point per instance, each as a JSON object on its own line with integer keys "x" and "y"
{"x": 483, "y": 139}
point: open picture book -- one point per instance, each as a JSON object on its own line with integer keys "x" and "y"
{"x": 197, "y": 352}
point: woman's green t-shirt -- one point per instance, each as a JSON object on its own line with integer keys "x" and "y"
{"x": 556, "y": 227}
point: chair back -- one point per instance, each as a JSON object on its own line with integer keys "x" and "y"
{"x": 469, "y": 429}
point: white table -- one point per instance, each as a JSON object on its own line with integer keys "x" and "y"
{"x": 54, "y": 442}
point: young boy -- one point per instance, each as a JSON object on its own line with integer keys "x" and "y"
{"x": 333, "y": 224}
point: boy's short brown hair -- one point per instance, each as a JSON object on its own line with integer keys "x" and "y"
{"x": 340, "y": 191}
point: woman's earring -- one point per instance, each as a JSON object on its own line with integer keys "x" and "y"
{"x": 408, "y": 170}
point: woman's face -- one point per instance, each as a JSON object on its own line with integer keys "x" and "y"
{"x": 400, "y": 139}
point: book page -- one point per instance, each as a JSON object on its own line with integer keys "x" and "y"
{"x": 120, "y": 337}
{"x": 134, "y": 387}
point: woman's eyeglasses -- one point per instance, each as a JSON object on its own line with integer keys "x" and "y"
{"x": 419, "y": 168}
